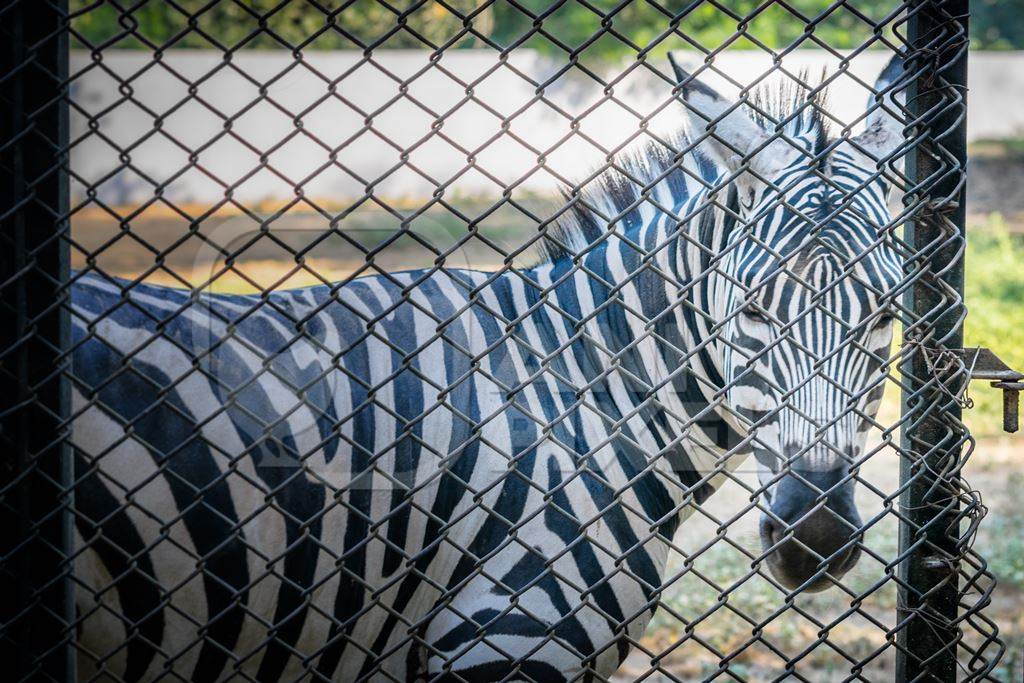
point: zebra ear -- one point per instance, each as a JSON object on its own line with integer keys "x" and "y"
{"x": 885, "y": 124}
{"x": 726, "y": 133}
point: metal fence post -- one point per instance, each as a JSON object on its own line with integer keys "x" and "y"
{"x": 933, "y": 435}
{"x": 37, "y": 617}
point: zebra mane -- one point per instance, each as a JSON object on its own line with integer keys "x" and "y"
{"x": 619, "y": 189}
{"x": 657, "y": 165}
{"x": 775, "y": 103}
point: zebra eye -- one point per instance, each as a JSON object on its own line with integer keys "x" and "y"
{"x": 884, "y": 320}
{"x": 755, "y": 314}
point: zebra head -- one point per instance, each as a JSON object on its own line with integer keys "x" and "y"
{"x": 801, "y": 301}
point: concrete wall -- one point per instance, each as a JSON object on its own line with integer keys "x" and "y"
{"x": 263, "y": 124}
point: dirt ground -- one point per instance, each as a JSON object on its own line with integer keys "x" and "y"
{"x": 996, "y": 184}
{"x": 257, "y": 249}
{"x": 687, "y": 652}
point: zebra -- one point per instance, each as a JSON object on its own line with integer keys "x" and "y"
{"x": 450, "y": 474}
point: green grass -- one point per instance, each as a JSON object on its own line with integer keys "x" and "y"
{"x": 1006, "y": 558}
{"x": 994, "y": 293}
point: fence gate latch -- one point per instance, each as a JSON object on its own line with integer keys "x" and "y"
{"x": 986, "y": 365}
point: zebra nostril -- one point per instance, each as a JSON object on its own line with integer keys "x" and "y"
{"x": 811, "y": 554}
{"x": 847, "y": 560}
{"x": 772, "y": 530}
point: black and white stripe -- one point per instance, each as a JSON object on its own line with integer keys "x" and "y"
{"x": 458, "y": 474}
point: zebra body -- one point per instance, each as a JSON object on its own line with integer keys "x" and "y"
{"x": 425, "y": 474}
{"x": 413, "y": 443}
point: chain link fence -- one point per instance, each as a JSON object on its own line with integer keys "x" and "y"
{"x": 476, "y": 365}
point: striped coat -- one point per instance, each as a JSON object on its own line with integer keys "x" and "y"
{"x": 428, "y": 474}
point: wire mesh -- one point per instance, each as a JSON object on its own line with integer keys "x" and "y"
{"x": 625, "y": 434}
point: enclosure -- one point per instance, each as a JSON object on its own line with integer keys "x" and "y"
{"x": 452, "y": 340}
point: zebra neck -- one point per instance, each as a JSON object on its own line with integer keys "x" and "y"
{"x": 621, "y": 332}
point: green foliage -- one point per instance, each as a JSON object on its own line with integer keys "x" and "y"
{"x": 598, "y": 29}
{"x": 642, "y": 25}
{"x": 268, "y": 24}
{"x": 997, "y": 25}
{"x": 994, "y": 291}
{"x": 1006, "y": 557}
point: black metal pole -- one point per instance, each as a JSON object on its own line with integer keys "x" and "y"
{"x": 933, "y": 436}
{"x": 37, "y": 613}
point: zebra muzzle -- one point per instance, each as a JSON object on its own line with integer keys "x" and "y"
{"x": 809, "y": 541}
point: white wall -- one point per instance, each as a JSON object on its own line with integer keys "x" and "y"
{"x": 503, "y": 125}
